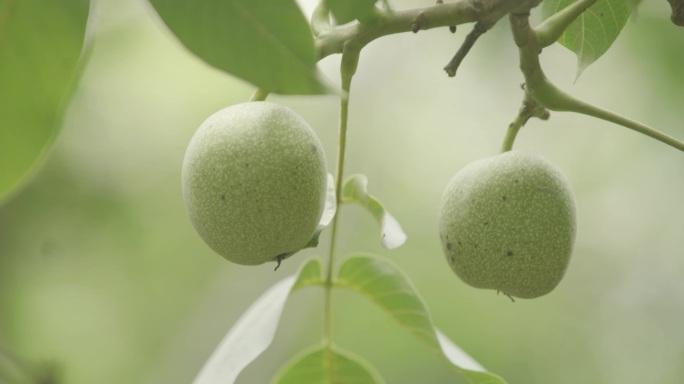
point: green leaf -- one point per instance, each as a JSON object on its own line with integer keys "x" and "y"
{"x": 266, "y": 42}
{"x": 255, "y": 329}
{"x": 329, "y": 211}
{"x": 327, "y": 365}
{"x": 40, "y": 49}
{"x": 590, "y": 36}
{"x": 310, "y": 274}
{"x": 384, "y": 284}
{"x": 345, "y": 11}
{"x": 355, "y": 189}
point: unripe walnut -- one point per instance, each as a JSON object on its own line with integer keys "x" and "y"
{"x": 254, "y": 182}
{"x": 508, "y": 223}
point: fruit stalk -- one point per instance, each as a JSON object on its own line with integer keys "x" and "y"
{"x": 529, "y": 109}
{"x": 259, "y": 95}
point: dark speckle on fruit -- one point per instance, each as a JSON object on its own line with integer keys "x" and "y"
{"x": 509, "y": 253}
{"x": 448, "y": 246}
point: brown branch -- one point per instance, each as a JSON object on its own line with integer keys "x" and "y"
{"x": 468, "y": 43}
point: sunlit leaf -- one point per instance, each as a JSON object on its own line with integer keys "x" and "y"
{"x": 40, "y": 49}
{"x": 355, "y": 189}
{"x": 255, "y": 329}
{"x": 345, "y": 11}
{"x": 329, "y": 211}
{"x": 592, "y": 34}
{"x": 384, "y": 284}
{"x": 326, "y": 365}
{"x": 266, "y": 42}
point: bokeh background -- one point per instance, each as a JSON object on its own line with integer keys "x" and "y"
{"x": 102, "y": 275}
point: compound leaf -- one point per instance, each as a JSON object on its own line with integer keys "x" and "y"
{"x": 254, "y": 331}
{"x": 384, "y": 284}
{"x": 266, "y": 42}
{"x": 592, "y": 34}
{"x": 40, "y": 62}
{"x": 327, "y": 365}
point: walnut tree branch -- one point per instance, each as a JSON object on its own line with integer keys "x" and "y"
{"x": 470, "y": 40}
{"x": 547, "y": 95}
{"x": 357, "y": 35}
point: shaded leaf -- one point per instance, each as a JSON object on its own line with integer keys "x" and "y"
{"x": 255, "y": 329}
{"x": 345, "y": 11}
{"x": 384, "y": 284}
{"x": 325, "y": 365}
{"x": 328, "y": 212}
{"x": 40, "y": 49}
{"x": 266, "y": 42}
{"x": 592, "y": 34}
{"x": 355, "y": 189}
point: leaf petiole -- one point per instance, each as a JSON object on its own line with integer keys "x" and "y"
{"x": 350, "y": 61}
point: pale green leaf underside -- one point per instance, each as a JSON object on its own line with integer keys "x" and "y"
{"x": 592, "y": 34}
{"x": 40, "y": 47}
{"x": 329, "y": 211}
{"x": 324, "y": 365}
{"x": 267, "y": 42}
{"x": 384, "y": 284}
{"x": 355, "y": 189}
{"x": 255, "y": 329}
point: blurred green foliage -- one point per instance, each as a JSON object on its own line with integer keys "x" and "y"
{"x": 102, "y": 274}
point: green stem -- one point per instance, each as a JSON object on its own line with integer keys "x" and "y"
{"x": 529, "y": 109}
{"x": 511, "y": 134}
{"x": 603, "y": 114}
{"x": 547, "y": 95}
{"x": 552, "y": 28}
{"x": 320, "y": 19}
{"x": 259, "y": 95}
{"x": 350, "y": 60}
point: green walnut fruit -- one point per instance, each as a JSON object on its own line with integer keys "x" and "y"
{"x": 508, "y": 223}
{"x": 254, "y": 182}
